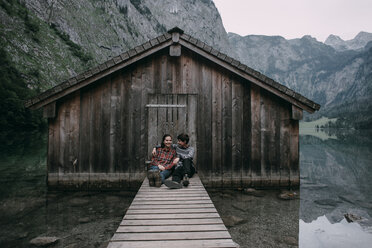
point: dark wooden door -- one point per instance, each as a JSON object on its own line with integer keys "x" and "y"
{"x": 171, "y": 114}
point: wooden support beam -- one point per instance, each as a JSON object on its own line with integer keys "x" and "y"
{"x": 166, "y": 106}
{"x": 175, "y": 37}
{"x": 49, "y": 111}
{"x": 296, "y": 113}
{"x": 175, "y": 50}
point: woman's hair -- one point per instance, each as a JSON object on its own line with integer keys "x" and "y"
{"x": 162, "y": 141}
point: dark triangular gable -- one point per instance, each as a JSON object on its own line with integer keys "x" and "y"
{"x": 174, "y": 36}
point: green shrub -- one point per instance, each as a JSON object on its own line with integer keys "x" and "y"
{"x": 123, "y": 10}
{"x": 13, "y": 92}
{"x": 74, "y": 48}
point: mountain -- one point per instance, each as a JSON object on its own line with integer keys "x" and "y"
{"x": 301, "y": 64}
{"x": 354, "y": 102}
{"x": 51, "y": 41}
{"x": 43, "y": 43}
{"x": 340, "y": 80}
{"x": 359, "y": 42}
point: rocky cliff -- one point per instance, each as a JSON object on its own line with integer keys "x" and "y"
{"x": 359, "y": 42}
{"x": 51, "y": 40}
{"x": 340, "y": 80}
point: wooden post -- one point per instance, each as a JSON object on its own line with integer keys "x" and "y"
{"x": 296, "y": 113}
{"x": 175, "y": 50}
{"x": 175, "y": 37}
{"x": 49, "y": 111}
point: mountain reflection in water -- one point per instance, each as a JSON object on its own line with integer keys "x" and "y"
{"x": 322, "y": 233}
{"x": 336, "y": 177}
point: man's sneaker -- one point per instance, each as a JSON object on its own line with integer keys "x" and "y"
{"x": 185, "y": 181}
{"x": 157, "y": 178}
{"x": 172, "y": 184}
{"x": 150, "y": 176}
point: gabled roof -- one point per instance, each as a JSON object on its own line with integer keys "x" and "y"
{"x": 173, "y": 36}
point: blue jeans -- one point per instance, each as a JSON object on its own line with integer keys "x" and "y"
{"x": 163, "y": 174}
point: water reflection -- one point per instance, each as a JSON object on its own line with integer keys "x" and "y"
{"x": 336, "y": 175}
{"x": 322, "y": 233}
{"x": 335, "y": 180}
{"x": 28, "y": 210}
{"x": 336, "y": 171}
{"x": 77, "y": 219}
{"x": 259, "y": 219}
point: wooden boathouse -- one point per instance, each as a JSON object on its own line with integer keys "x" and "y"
{"x": 104, "y": 122}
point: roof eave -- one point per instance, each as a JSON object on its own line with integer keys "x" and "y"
{"x": 248, "y": 73}
{"x": 102, "y": 70}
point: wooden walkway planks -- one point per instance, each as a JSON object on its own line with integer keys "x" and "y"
{"x": 161, "y": 217}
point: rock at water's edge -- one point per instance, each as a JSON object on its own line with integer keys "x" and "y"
{"x": 352, "y": 218}
{"x": 232, "y": 220}
{"x": 43, "y": 241}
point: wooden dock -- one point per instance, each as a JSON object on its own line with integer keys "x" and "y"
{"x": 174, "y": 218}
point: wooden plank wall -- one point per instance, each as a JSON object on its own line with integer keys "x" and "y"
{"x": 244, "y": 135}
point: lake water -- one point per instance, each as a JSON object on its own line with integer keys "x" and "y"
{"x": 336, "y": 176}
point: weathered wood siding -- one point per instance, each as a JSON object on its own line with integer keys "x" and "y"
{"x": 244, "y": 135}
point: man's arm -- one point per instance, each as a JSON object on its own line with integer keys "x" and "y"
{"x": 190, "y": 153}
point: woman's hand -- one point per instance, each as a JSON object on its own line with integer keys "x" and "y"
{"x": 176, "y": 160}
{"x": 161, "y": 167}
{"x": 154, "y": 152}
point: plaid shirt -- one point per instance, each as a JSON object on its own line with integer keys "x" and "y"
{"x": 165, "y": 157}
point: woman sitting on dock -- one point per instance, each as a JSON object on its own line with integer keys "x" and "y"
{"x": 162, "y": 162}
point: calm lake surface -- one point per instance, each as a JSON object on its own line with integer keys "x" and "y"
{"x": 336, "y": 176}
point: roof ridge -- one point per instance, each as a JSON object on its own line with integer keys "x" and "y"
{"x": 122, "y": 57}
{"x": 141, "y": 48}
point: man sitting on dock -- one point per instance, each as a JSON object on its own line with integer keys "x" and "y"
{"x": 185, "y": 167}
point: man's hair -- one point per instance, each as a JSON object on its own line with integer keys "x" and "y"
{"x": 183, "y": 137}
